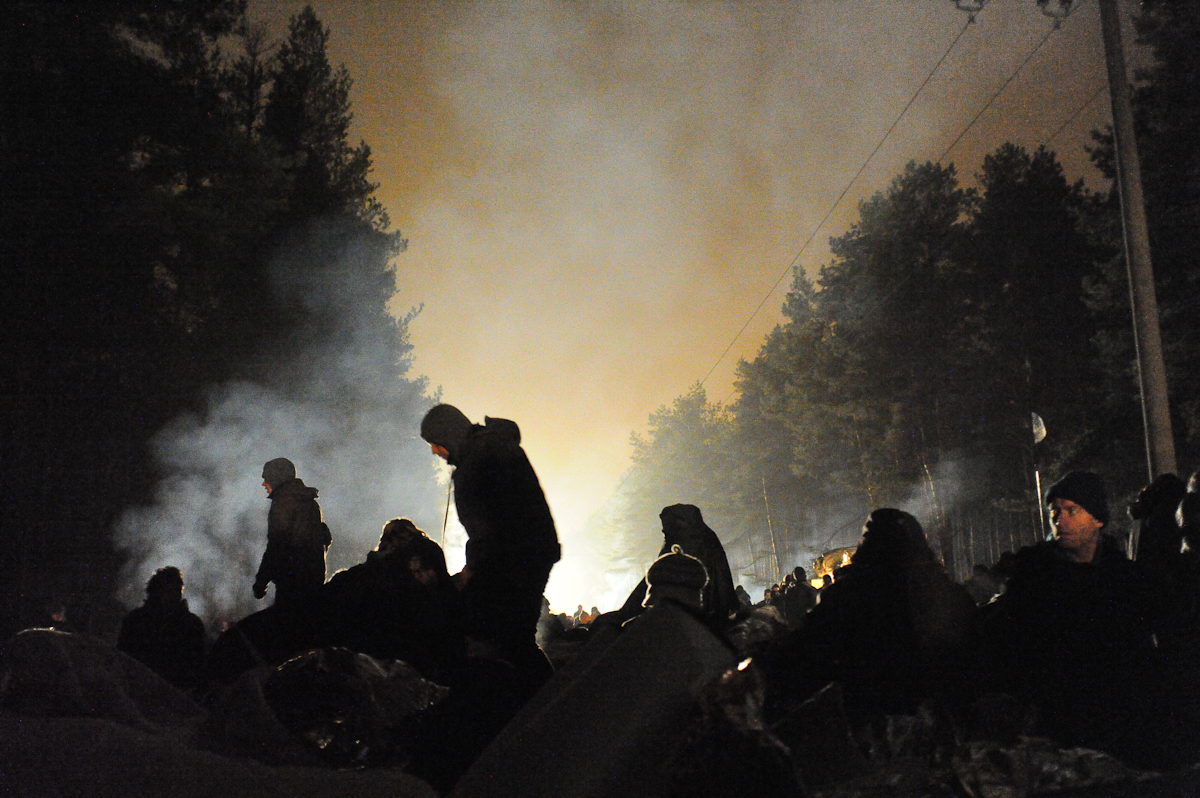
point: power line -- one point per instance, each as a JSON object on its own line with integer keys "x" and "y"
{"x": 1004, "y": 85}
{"x": 1073, "y": 116}
{"x": 838, "y": 201}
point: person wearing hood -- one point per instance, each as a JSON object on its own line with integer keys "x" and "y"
{"x": 511, "y": 540}
{"x": 893, "y": 629}
{"x": 683, "y": 526}
{"x": 297, "y": 538}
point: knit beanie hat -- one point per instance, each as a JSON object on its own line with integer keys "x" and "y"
{"x": 1085, "y": 489}
{"x": 445, "y": 425}
{"x": 676, "y": 575}
{"x": 278, "y": 471}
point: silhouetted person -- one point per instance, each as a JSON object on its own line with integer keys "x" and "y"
{"x": 399, "y": 604}
{"x": 511, "y": 547}
{"x": 893, "y": 629}
{"x": 296, "y": 537}
{"x": 1159, "y": 537}
{"x": 798, "y": 598}
{"x": 683, "y": 526}
{"x": 163, "y": 634}
{"x": 511, "y": 540}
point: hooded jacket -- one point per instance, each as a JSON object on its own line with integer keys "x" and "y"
{"x": 296, "y": 539}
{"x": 500, "y": 502}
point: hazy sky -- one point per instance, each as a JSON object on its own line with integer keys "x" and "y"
{"x": 597, "y": 195}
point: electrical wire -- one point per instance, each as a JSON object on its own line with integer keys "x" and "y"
{"x": 791, "y": 264}
{"x": 1075, "y": 115}
{"x": 1057, "y": 25}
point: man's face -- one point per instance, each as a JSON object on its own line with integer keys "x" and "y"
{"x": 267, "y": 486}
{"x": 440, "y": 451}
{"x": 1076, "y": 530}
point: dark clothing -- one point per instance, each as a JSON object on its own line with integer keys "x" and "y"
{"x": 1078, "y": 641}
{"x": 501, "y": 505}
{"x": 168, "y": 640}
{"x": 511, "y": 541}
{"x": 1055, "y": 613}
{"x": 892, "y": 636}
{"x": 798, "y": 600}
{"x": 683, "y": 526}
{"x": 381, "y": 609}
{"x": 296, "y": 542}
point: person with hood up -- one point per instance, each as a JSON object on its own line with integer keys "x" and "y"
{"x": 511, "y": 540}
{"x": 683, "y": 526}
{"x": 297, "y": 538}
{"x": 893, "y": 629}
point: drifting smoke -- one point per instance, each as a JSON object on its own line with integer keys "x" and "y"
{"x": 949, "y": 484}
{"x": 335, "y": 401}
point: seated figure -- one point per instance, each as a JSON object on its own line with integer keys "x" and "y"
{"x": 399, "y": 604}
{"x": 163, "y": 634}
{"x": 893, "y": 629}
{"x": 1075, "y": 635}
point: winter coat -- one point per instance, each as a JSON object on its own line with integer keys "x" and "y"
{"x": 891, "y": 635}
{"x": 296, "y": 540}
{"x": 1055, "y": 612}
{"x": 501, "y": 505}
{"x": 683, "y": 526}
{"x": 168, "y": 640}
{"x": 380, "y": 608}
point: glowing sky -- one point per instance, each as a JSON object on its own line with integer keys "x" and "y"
{"x": 597, "y": 195}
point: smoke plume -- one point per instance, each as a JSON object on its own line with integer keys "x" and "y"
{"x": 335, "y": 399}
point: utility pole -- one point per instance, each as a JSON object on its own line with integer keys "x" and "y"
{"x": 1152, "y": 372}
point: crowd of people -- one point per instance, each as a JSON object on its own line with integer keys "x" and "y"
{"x": 1069, "y": 638}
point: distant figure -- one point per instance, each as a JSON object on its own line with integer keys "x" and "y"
{"x": 798, "y": 598}
{"x": 54, "y": 616}
{"x": 163, "y": 634}
{"x": 296, "y": 537}
{"x": 683, "y": 526}
{"x": 511, "y": 540}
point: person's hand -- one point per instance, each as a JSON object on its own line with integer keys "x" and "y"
{"x": 260, "y": 590}
{"x": 462, "y": 577}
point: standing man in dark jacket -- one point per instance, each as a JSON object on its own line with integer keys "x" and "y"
{"x": 511, "y": 540}
{"x": 296, "y": 536}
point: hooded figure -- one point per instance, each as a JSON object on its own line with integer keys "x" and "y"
{"x": 893, "y": 629}
{"x": 683, "y": 526}
{"x": 296, "y": 536}
{"x": 511, "y": 540}
{"x": 399, "y": 604}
